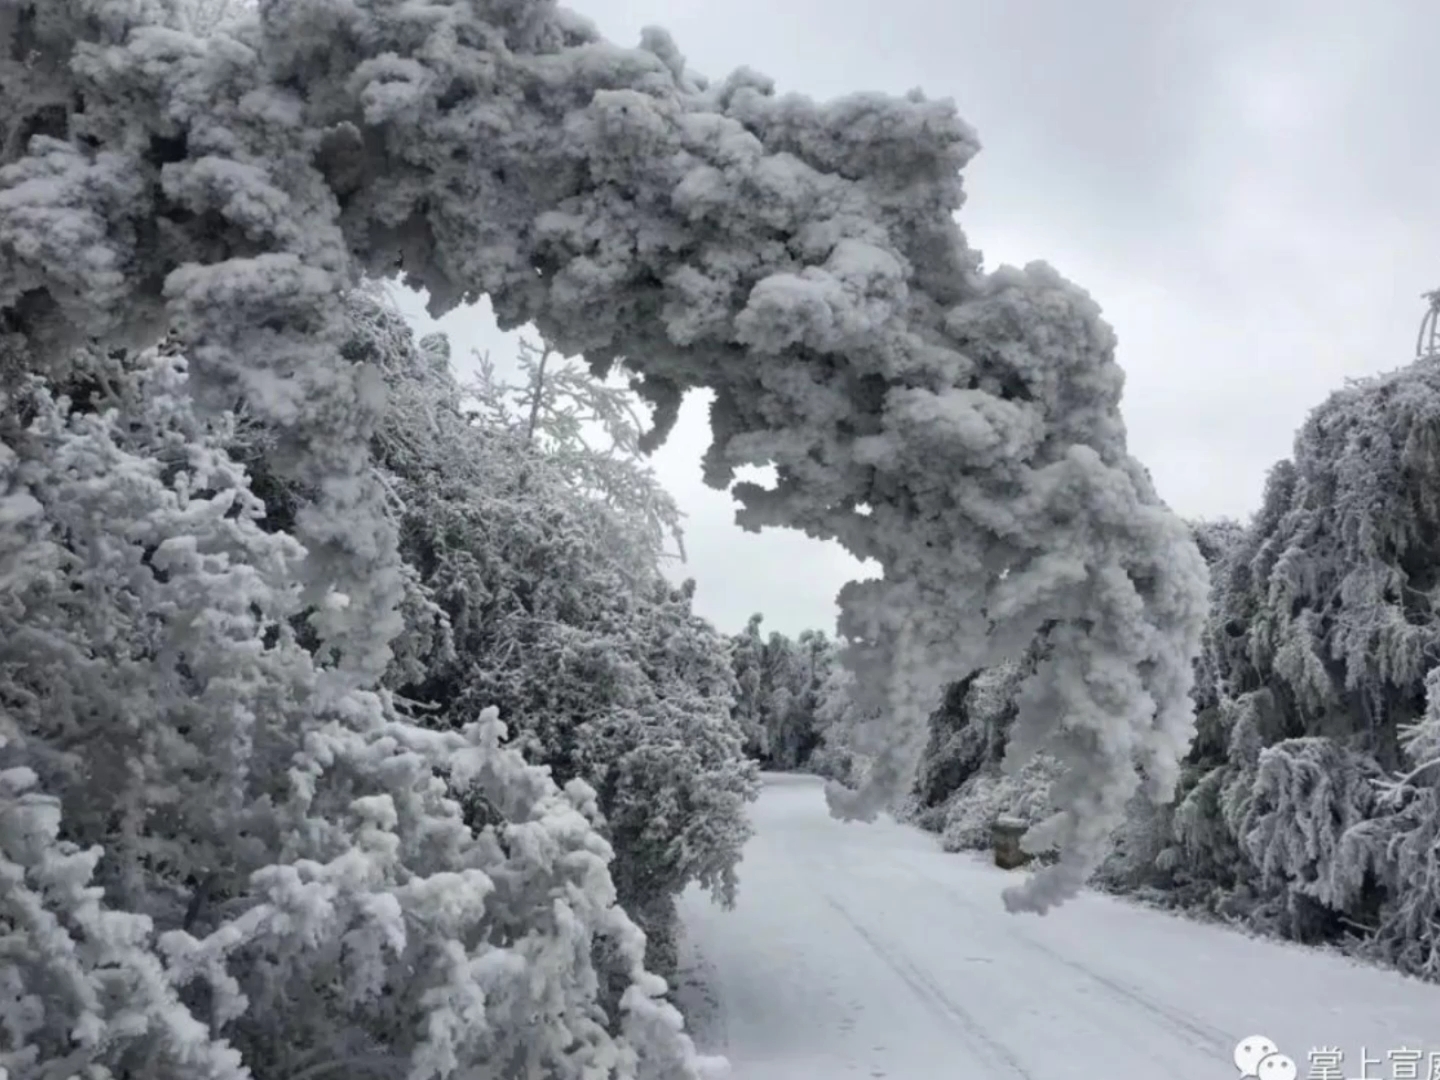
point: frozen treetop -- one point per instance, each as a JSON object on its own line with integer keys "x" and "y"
{"x": 800, "y": 259}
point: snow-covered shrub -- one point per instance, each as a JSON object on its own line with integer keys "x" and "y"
{"x": 968, "y": 733}
{"x": 285, "y": 858}
{"x": 1143, "y": 853}
{"x": 83, "y": 991}
{"x": 555, "y": 611}
{"x": 674, "y": 789}
{"x": 666, "y": 758}
{"x": 1304, "y": 795}
{"x": 421, "y": 946}
{"x": 971, "y": 811}
{"x": 1400, "y": 847}
{"x": 1206, "y": 861}
{"x": 799, "y": 259}
{"x": 1329, "y": 598}
{"x": 1323, "y": 634}
{"x": 150, "y": 674}
{"x": 957, "y": 749}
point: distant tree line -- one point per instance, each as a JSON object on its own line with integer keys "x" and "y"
{"x": 793, "y": 702}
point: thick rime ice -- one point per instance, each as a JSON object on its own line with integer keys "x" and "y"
{"x": 800, "y": 259}
{"x": 255, "y": 879}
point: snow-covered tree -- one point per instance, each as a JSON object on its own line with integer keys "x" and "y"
{"x": 967, "y": 778}
{"x": 591, "y": 432}
{"x": 1146, "y": 853}
{"x": 556, "y": 612}
{"x": 799, "y": 259}
{"x": 1314, "y": 682}
{"x": 779, "y": 687}
{"x": 1332, "y": 604}
{"x": 83, "y": 987}
{"x": 747, "y": 660}
{"x": 841, "y": 718}
{"x": 968, "y": 732}
{"x": 814, "y": 656}
{"x": 1400, "y": 847}
{"x": 1306, "y": 793}
{"x": 220, "y": 857}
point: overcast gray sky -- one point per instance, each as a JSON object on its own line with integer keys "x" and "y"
{"x": 1248, "y": 189}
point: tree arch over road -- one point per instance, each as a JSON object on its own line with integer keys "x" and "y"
{"x": 800, "y": 259}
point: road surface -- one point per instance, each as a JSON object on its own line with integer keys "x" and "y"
{"x": 864, "y": 951}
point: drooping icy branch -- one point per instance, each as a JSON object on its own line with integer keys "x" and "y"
{"x": 799, "y": 259}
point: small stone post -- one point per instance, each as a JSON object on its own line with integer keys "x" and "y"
{"x": 1005, "y": 836}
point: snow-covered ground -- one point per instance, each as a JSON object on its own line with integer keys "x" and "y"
{"x": 865, "y": 951}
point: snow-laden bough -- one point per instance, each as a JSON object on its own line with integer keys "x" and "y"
{"x": 800, "y": 259}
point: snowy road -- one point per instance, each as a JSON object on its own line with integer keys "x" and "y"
{"x": 865, "y": 951}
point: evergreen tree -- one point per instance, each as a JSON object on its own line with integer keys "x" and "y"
{"x": 558, "y": 615}
{"x": 289, "y": 878}
{"x": 1306, "y": 802}
{"x": 747, "y": 658}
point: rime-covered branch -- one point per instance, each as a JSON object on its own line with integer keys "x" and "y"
{"x": 799, "y": 259}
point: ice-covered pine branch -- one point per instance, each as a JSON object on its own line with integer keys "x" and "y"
{"x": 799, "y": 259}
{"x": 591, "y": 430}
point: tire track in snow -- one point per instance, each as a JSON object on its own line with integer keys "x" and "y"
{"x": 933, "y": 997}
{"x": 1192, "y": 1029}
{"x": 1197, "y": 1032}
